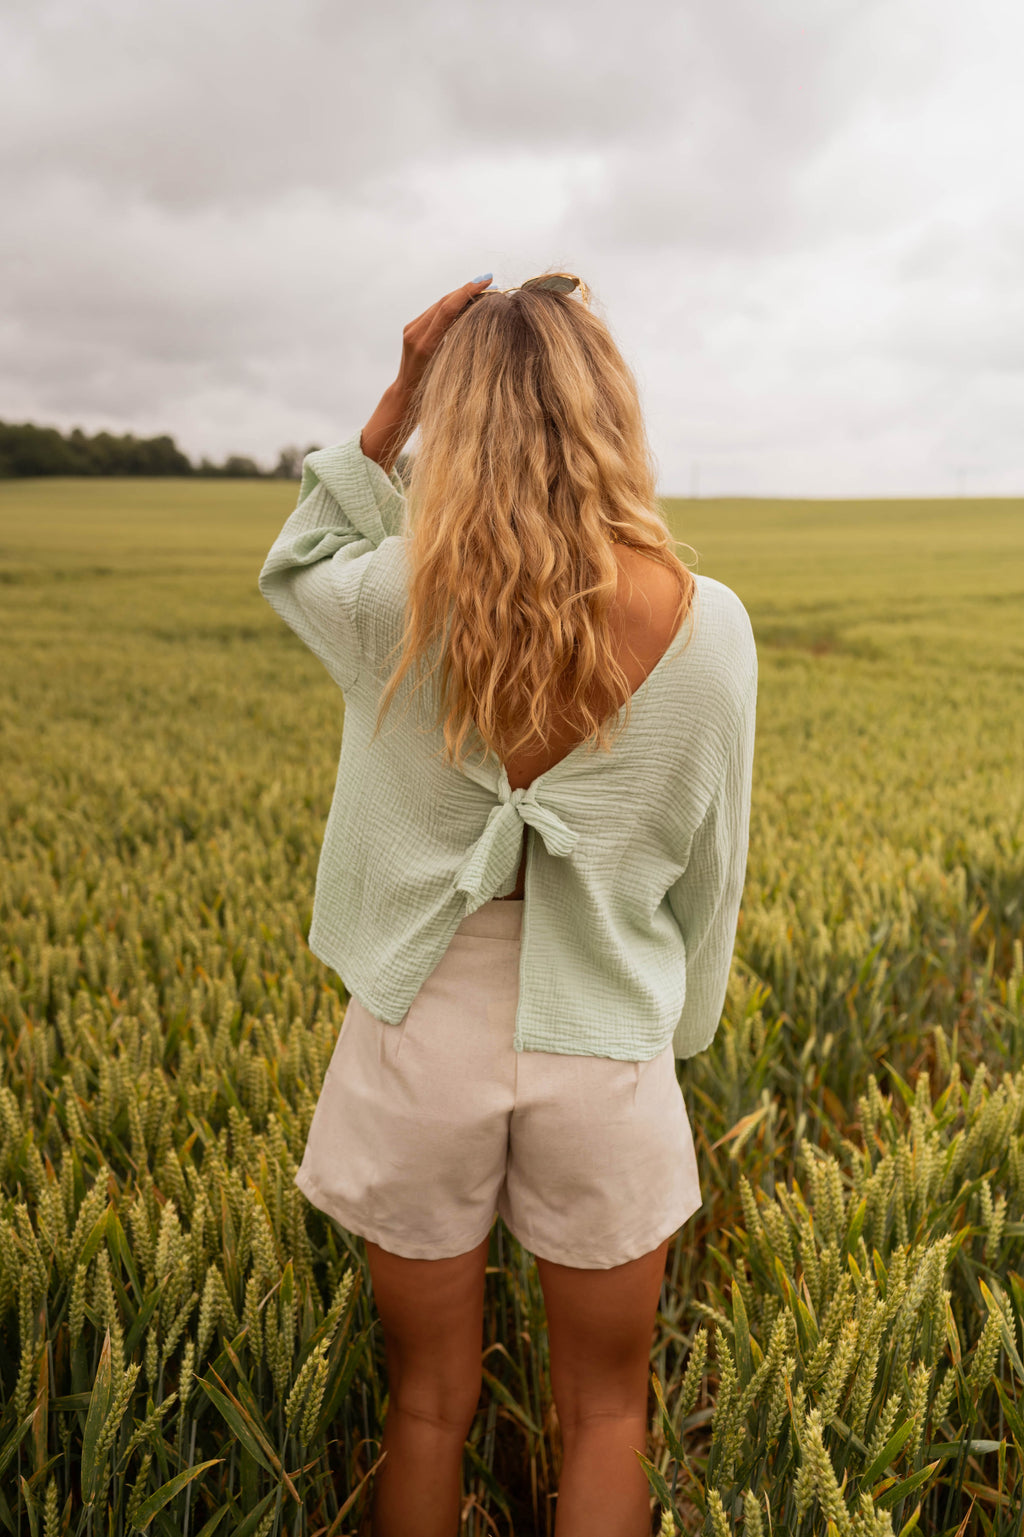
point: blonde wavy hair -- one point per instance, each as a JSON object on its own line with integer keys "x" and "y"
{"x": 532, "y": 461}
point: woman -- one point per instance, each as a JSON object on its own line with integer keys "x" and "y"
{"x": 531, "y": 935}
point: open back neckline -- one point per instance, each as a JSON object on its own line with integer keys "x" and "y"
{"x": 587, "y": 742}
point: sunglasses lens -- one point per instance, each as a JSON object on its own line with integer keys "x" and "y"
{"x": 559, "y": 282}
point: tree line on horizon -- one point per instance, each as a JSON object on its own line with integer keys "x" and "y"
{"x": 26, "y": 449}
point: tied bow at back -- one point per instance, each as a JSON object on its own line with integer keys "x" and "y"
{"x": 494, "y": 858}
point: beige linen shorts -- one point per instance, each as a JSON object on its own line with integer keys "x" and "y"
{"x": 425, "y": 1129}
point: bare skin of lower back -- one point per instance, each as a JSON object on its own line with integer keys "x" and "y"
{"x": 646, "y": 607}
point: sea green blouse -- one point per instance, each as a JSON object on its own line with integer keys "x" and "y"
{"x": 635, "y": 857}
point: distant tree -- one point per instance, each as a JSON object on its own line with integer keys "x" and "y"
{"x": 161, "y": 456}
{"x": 29, "y": 450}
{"x": 106, "y": 453}
{"x": 239, "y": 465}
{"x": 81, "y": 446}
{"x": 289, "y": 464}
{"x": 26, "y": 449}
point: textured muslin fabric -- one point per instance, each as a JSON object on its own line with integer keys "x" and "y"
{"x": 635, "y": 858}
{"x": 425, "y": 1129}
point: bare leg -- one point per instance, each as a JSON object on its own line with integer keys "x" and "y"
{"x": 600, "y": 1326}
{"x": 432, "y": 1315}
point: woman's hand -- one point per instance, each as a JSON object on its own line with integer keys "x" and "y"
{"x": 422, "y": 336}
{"x": 389, "y": 426}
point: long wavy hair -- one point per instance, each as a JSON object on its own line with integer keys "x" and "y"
{"x": 532, "y": 461}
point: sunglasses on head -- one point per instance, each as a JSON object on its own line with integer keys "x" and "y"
{"x": 557, "y": 282}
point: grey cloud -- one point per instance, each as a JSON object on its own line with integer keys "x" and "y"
{"x": 797, "y": 216}
{"x": 763, "y": 92}
{"x": 187, "y": 103}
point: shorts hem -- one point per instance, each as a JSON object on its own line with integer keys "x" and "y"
{"x": 350, "y": 1219}
{"x": 633, "y": 1249}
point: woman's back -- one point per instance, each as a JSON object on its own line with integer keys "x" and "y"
{"x": 530, "y": 571}
{"x": 646, "y": 621}
{"x": 635, "y": 855}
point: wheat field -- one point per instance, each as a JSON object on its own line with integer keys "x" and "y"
{"x": 188, "y": 1347}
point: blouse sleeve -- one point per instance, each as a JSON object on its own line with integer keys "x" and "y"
{"x": 705, "y": 899}
{"x": 348, "y": 505}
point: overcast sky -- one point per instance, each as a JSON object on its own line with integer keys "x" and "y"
{"x": 802, "y": 219}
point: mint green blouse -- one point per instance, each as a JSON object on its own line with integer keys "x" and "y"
{"x": 635, "y": 859}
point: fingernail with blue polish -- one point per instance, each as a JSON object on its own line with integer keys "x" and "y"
{"x": 485, "y": 277}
